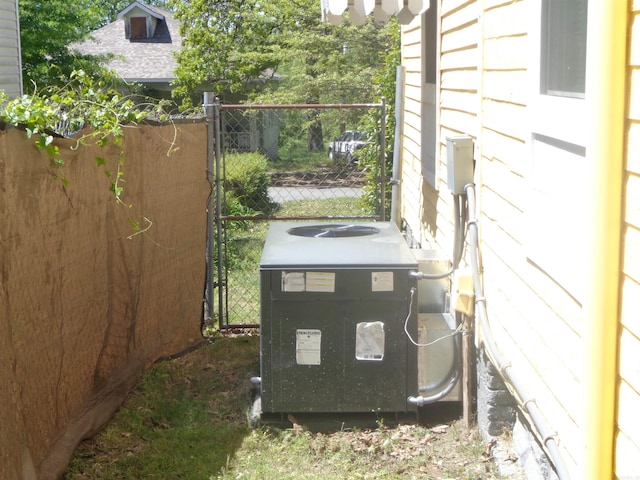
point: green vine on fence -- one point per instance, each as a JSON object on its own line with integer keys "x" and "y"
{"x": 91, "y": 112}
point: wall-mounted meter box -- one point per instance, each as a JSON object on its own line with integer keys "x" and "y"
{"x": 459, "y": 163}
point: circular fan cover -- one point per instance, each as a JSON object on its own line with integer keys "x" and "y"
{"x": 333, "y": 231}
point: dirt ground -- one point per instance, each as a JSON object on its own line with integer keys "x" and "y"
{"x": 321, "y": 176}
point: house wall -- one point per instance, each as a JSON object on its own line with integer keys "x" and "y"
{"x": 10, "y": 64}
{"x": 628, "y": 433}
{"x": 484, "y": 77}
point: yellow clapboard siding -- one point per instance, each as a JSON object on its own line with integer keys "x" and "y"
{"x": 467, "y": 59}
{"x": 506, "y": 53}
{"x": 632, "y": 253}
{"x": 629, "y": 365}
{"x": 459, "y": 79}
{"x": 507, "y": 20}
{"x": 627, "y": 455}
{"x": 628, "y": 408}
{"x": 456, "y": 100}
{"x": 508, "y": 150}
{"x": 634, "y": 53}
{"x": 533, "y": 326}
{"x": 448, "y": 7}
{"x": 506, "y": 86}
{"x": 411, "y": 34}
{"x": 631, "y": 305}
{"x": 511, "y": 191}
{"x": 460, "y": 17}
{"x": 460, "y": 39}
{"x": 532, "y": 278}
{"x": 632, "y": 210}
{"x": 634, "y": 101}
{"x": 459, "y": 122}
{"x": 508, "y": 118}
{"x": 633, "y": 147}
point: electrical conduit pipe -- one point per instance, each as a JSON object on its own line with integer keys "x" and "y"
{"x": 510, "y": 376}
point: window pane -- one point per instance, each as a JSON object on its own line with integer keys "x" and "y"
{"x": 564, "y": 47}
{"x": 138, "y": 27}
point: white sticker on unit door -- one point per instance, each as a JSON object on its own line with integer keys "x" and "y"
{"x": 382, "y": 281}
{"x": 321, "y": 282}
{"x": 308, "y": 343}
{"x": 370, "y": 341}
{"x": 293, "y": 281}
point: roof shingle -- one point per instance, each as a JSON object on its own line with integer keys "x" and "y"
{"x": 138, "y": 60}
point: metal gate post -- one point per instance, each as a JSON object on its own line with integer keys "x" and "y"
{"x": 209, "y": 281}
{"x": 220, "y": 244}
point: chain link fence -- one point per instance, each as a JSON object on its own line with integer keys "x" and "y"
{"x": 283, "y": 162}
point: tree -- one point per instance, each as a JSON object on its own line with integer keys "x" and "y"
{"x": 46, "y": 28}
{"x": 229, "y": 43}
{"x": 225, "y": 43}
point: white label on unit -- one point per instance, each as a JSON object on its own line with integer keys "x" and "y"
{"x": 382, "y": 281}
{"x": 370, "y": 341}
{"x": 321, "y": 282}
{"x": 293, "y": 282}
{"x": 308, "y": 347}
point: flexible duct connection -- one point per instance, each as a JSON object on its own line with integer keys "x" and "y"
{"x": 528, "y": 403}
{"x": 420, "y": 401}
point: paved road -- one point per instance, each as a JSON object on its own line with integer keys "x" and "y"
{"x": 287, "y": 194}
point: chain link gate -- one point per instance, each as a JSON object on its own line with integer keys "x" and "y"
{"x": 282, "y": 162}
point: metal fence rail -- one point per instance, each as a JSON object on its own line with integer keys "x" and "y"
{"x": 271, "y": 163}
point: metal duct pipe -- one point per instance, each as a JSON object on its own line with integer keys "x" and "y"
{"x": 421, "y": 401}
{"x": 397, "y": 149}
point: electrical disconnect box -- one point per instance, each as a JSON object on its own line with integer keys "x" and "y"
{"x": 459, "y": 163}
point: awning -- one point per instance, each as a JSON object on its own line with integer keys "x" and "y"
{"x": 383, "y": 10}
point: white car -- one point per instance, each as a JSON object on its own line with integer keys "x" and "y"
{"x": 347, "y": 145}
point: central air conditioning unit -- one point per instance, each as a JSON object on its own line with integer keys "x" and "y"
{"x": 339, "y": 322}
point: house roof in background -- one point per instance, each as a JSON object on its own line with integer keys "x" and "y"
{"x": 138, "y": 60}
{"x": 153, "y": 11}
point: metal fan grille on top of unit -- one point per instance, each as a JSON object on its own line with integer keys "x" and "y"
{"x": 333, "y": 231}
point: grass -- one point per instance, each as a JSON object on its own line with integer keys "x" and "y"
{"x": 183, "y": 420}
{"x": 187, "y": 419}
{"x": 299, "y": 159}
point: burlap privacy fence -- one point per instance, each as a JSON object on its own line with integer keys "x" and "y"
{"x": 85, "y": 306}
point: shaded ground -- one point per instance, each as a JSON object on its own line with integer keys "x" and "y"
{"x": 187, "y": 419}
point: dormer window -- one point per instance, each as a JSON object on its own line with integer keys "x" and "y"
{"x": 140, "y": 21}
{"x": 138, "y": 28}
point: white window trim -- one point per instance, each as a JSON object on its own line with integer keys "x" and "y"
{"x": 568, "y": 119}
{"x": 553, "y": 239}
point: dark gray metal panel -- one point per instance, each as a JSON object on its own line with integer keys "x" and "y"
{"x": 339, "y": 382}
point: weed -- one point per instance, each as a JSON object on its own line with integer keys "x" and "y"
{"x": 187, "y": 420}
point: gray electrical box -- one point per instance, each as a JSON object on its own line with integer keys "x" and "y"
{"x": 459, "y": 163}
{"x": 334, "y": 302}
